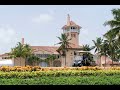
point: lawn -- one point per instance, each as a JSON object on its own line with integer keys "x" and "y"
{"x": 62, "y": 80}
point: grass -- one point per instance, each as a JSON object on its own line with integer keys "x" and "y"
{"x": 62, "y": 80}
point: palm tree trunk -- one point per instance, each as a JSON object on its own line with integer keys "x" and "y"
{"x": 25, "y": 61}
{"x": 112, "y": 59}
{"x": 112, "y": 62}
{"x": 105, "y": 60}
{"x": 20, "y": 61}
{"x": 100, "y": 62}
{"x": 65, "y": 58}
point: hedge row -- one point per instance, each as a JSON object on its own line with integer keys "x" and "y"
{"x": 37, "y": 68}
{"x": 15, "y": 74}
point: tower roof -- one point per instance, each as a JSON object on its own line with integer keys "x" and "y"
{"x": 70, "y": 23}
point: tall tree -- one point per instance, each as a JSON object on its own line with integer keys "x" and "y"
{"x": 114, "y": 34}
{"x": 21, "y": 51}
{"x": 88, "y": 55}
{"x": 64, "y": 45}
{"x": 27, "y": 51}
{"x": 97, "y": 46}
{"x": 104, "y": 49}
{"x": 114, "y": 24}
{"x": 112, "y": 46}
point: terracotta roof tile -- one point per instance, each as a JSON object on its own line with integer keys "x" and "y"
{"x": 50, "y": 49}
{"x": 71, "y": 24}
{"x": 5, "y": 54}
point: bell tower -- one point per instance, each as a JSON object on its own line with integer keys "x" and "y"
{"x": 72, "y": 30}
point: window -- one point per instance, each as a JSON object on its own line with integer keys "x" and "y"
{"x": 75, "y": 53}
{"x": 6, "y": 58}
{"x": 58, "y": 56}
{"x": 42, "y": 55}
{"x": 43, "y": 64}
{"x": 73, "y": 27}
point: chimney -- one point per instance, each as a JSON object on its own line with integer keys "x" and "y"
{"x": 22, "y": 41}
{"x": 68, "y": 20}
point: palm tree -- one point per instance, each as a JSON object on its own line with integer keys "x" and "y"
{"x": 86, "y": 47}
{"x": 114, "y": 24}
{"x": 88, "y": 54}
{"x": 17, "y": 51}
{"x": 117, "y": 55}
{"x": 27, "y": 51}
{"x": 21, "y": 51}
{"x": 104, "y": 49}
{"x": 112, "y": 46}
{"x": 64, "y": 45}
{"x": 114, "y": 34}
{"x": 97, "y": 46}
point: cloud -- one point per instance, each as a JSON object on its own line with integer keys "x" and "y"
{"x": 43, "y": 18}
{"x": 6, "y": 34}
{"x": 8, "y": 37}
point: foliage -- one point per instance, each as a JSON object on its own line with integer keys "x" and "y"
{"x": 64, "y": 45}
{"x": 97, "y": 44}
{"x": 33, "y": 59}
{"x": 21, "y": 51}
{"x": 51, "y": 58}
{"x": 87, "y": 56}
{"x": 114, "y": 24}
{"x": 113, "y": 35}
{"x": 58, "y": 73}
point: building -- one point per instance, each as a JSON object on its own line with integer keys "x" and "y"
{"x": 6, "y": 60}
{"x": 104, "y": 60}
{"x": 72, "y": 30}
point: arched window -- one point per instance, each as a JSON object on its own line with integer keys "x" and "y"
{"x": 73, "y": 27}
{"x": 43, "y": 64}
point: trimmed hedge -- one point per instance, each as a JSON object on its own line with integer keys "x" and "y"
{"x": 37, "y": 68}
{"x": 36, "y": 71}
{"x": 16, "y": 74}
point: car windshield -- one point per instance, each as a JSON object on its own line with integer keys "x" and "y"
{"x": 77, "y": 60}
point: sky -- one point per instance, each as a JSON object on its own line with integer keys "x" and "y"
{"x": 40, "y": 25}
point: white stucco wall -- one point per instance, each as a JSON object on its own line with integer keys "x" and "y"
{"x": 6, "y": 62}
